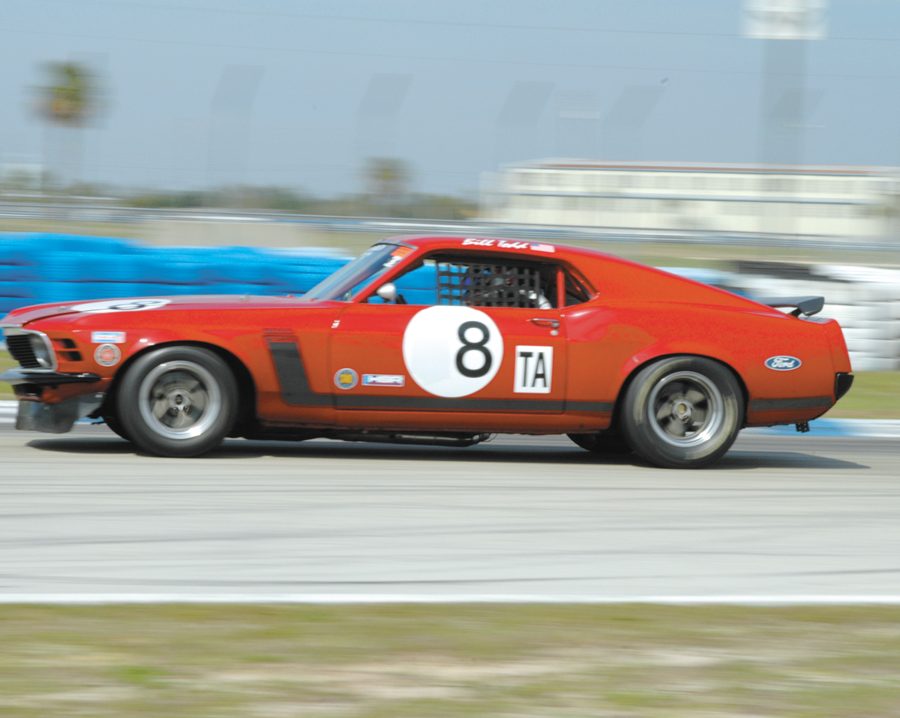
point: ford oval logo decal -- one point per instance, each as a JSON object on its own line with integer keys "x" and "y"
{"x": 783, "y": 362}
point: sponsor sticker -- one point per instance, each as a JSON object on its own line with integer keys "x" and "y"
{"x": 397, "y": 255}
{"x": 506, "y": 244}
{"x": 107, "y": 337}
{"x": 107, "y": 355}
{"x": 383, "y": 380}
{"x": 346, "y": 378}
{"x": 549, "y": 248}
{"x": 120, "y": 305}
{"x": 783, "y": 362}
{"x": 534, "y": 370}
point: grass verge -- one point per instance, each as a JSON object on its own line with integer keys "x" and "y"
{"x": 448, "y": 661}
{"x": 874, "y": 395}
{"x": 6, "y": 362}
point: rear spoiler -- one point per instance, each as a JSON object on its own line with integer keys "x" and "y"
{"x": 807, "y": 306}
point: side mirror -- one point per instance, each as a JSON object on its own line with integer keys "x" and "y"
{"x": 388, "y": 292}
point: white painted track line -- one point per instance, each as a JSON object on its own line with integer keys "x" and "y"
{"x": 406, "y": 598}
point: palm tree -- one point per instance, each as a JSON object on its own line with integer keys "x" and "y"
{"x": 68, "y": 100}
{"x": 387, "y": 182}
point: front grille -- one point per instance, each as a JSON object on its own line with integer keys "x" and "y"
{"x": 19, "y": 345}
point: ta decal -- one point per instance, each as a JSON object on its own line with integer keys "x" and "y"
{"x": 534, "y": 370}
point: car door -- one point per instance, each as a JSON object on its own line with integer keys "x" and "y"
{"x": 455, "y": 361}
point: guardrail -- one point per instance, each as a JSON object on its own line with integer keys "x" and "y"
{"x": 268, "y": 226}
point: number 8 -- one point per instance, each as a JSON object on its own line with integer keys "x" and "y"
{"x": 479, "y": 346}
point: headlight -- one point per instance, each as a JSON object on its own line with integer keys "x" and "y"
{"x": 43, "y": 354}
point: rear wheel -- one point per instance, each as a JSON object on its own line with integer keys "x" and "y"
{"x": 177, "y": 401}
{"x": 682, "y": 412}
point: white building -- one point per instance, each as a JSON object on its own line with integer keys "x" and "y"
{"x": 815, "y": 201}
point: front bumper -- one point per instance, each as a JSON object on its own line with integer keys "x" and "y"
{"x": 57, "y": 417}
{"x": 45, "y": 377}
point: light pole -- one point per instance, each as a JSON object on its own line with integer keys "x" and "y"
{"x": 785, "y": 26}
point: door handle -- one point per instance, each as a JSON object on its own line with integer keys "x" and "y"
{"x": 545, "y": 322}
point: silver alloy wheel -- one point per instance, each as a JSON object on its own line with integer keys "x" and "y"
{"x": 179, "y": 399}
{"x": 686, "y": 409}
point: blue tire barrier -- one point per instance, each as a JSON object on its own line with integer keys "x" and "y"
{"x": 37, "y": 268}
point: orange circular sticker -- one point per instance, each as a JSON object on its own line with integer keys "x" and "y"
{"x": 107, "y": 355}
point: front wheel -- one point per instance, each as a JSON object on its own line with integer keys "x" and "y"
{"x": 115, "y": 426}
{"x": 682, "y": 412}
{"x": 177, "y": 401}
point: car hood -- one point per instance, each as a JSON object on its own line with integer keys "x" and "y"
{"x": 126, "y": 305}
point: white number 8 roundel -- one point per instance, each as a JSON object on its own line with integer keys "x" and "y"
{"x": 452, "y": 351}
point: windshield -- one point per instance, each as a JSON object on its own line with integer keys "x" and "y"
{"x": 346, "y": 283}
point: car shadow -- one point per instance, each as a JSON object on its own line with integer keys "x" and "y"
{"x": 738, "y": 459}
{"x": 548, "y": 452}
{"x": 317, "y": 448}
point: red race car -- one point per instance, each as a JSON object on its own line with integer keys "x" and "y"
{"x": 438, "y": 340}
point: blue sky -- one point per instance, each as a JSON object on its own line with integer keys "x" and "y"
{"x": 297, "y": 93}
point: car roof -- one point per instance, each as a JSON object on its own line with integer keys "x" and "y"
{"x": 587, "y": 262}
{"x": 590, "y": 263}
{"x": 612, "y": 276}
{"x": 536, "y": 249}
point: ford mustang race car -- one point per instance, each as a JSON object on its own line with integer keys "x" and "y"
{"x": 438, "y": 340}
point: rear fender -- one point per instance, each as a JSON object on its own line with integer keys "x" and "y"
{"x": 650, "y": 358}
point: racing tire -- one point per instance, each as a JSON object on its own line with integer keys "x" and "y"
{"x": 608, "y": 442}
{"x": 178, "y": 401}
{"x": 682, "y": 412}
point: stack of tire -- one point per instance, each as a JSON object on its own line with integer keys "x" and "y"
{"x": 18, "y": 273}
{"x": 37, "y": 268}
{"x": 865, "y": 300}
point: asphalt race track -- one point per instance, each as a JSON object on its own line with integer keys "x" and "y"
{"x": 518, "y": 518}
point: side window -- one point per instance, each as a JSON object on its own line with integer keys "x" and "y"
{"x": 474, "y": 282}
{"x": 576, "y": 292}
{"x": 504, "y": 283}
{"x": 417, "y": 286}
